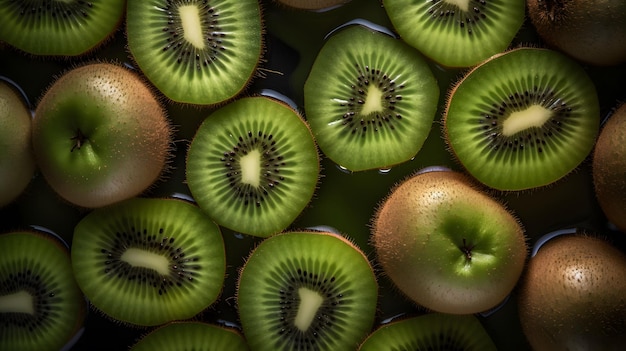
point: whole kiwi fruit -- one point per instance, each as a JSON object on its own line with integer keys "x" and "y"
{"x": 573, "y": 295}
{"x": 592, "y": 31}
{"x": 609, "y": 168}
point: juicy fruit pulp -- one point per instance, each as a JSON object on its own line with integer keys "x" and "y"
{"x": 522, "y": 119}
{"x": 198, "y": 52}
{"x": 100, "y": 136}
{"x": 448, "y": 246}
{"x": 149, "y": 261}
{"x": 191, "y": 336}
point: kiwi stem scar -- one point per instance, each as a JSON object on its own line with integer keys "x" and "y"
{"x": 467, "y": 250}
{"x": 18, "y": 302}
{"x": 79, "y": 139}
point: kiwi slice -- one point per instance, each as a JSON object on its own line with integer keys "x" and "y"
{"x": 312, "y": 4}
{"x": 457, "y": 33}
{"x": 609, "y": 168}
{"x": 199, "y": 52}
{"x": 41, "y": 307}
{"x": 148, "y": 261}
{"x": 571, "y": 296}
{"x": 522, "y": 119}
{"x": 306, "y": 291}
{"x": 197, "y": 336}
{"x": 59, "y": 28}
{"x": 17, "y": 162}
{"x": 432, "y": 331}
{"x": 253, "y": 165}
{"x": 370, "y": 99}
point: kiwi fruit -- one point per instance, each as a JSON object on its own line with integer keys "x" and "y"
{"x": 591, "y": 31}
{"x": 312, "y": 4}
{"x": 370, "y": 99}
{"x": 446, "y": 244}
{"x": 197, "y": 52}
{"x": 457, "y": 33}
{"x": 306, "y": 290}
{"x": 149, "y": 261}
{"x": 59, "y": 28}
{"x": 522, "y": 119}
{"x": 100, "y": 135}
{"x": 572, "y": 295}
{"x": 609, "y": 168}
{"x": 41, "y": 306}
{"x": 253, "y": 165}
{"x": 190, "y": 335}
{"x": 17, "y": 162}
{"x": 431, "y": 331}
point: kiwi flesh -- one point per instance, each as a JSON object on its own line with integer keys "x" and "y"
{"x": 191, "y": 335}
{"x": 571, "y": 296}
{"x": 445, "y": 212}
{"x": 253, "y": 165}
{"x": 312, "y": 4}
{"x": 370, "y": 99}
{"x": 197, "y": 52}
{"x": 457, "y": 33}
{"x": 431, "y": 331}
{"x": 306, "y": 290}
{"x": 41, "y": 306}
{"x": 149, "y": 261}
{"x": 59, "y": 28}
{"x": 17, "y": 162}
{"x": 522, "y": 119}
{"x": 106, "y": 122}
{"x": 609, "y": 168}
{"x": 593, "y": 32}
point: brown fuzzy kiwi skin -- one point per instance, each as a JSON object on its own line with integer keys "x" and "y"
{"x": 609, "y": 168}
{"x": 591, "y": 31}
{"x": 571, "y": 296}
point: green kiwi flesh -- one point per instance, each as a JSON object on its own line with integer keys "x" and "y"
{"x": 370, "y": 99}
{"x": 17, "y": 162}
{"x": 609, "y": 168}
{"x": 572, "y": 295}
{"x": 148, "y": 261}
{"x": 59, "y": 28}
{"x": 198, "y": 52}
{"x": 457, "y": 33}
{"x": 41, "y": 306}
{"x": 522, "y": 119}
{"x": 253, "y": 165}
{"x": 589, "y": 31}
{"x": 100, "y": 135}
{"x": 432, "y": 331}
{"x": 312, "y": 4}
{"x": 197, "y": 336}
{"x": 306, "y": 291}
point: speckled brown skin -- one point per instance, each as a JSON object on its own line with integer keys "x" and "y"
{"x": 573, "y": 296}
{"x": 100, "y": 135}
{"x": 593, "y": 31}
{"x": 447, "y": 245}
{"x": 609, "y": 168}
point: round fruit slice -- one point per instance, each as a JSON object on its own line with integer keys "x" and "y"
{"x": 432, "y": 331}
{"x": 197, "y": 52}
{"x": 253, "y": 166}
{"x": 370, "y": 99}
{"x": 457, "y": 33}
{"x": 306, "y": 290}
{"x": 195, "y": 336}
{"x": 41, "y": 307}
{"x": 59, "y": 28}
{"x": 149, "y": 261}
{"x": 522, "y": 119}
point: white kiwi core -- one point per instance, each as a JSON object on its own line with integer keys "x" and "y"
{"x": 533, "y": 116}
{"x": 19, "y": 302}
{"x": 192, "y": 29}
{"x": 251, "y": 168}
{"x": 142, "y": 258}
{"x": 373, "y": 102}
{"x": 462, "y": 4}
{"x": 310, "y": 302}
